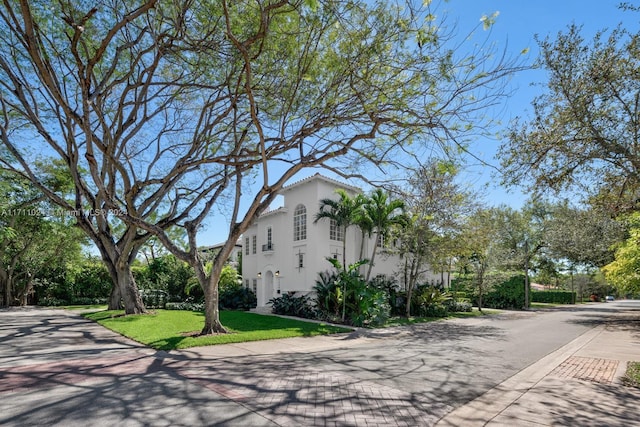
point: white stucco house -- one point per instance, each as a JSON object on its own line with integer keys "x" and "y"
{"x": 284, "y": 250}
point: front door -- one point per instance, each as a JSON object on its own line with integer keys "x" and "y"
{"x": 267, "y": 288}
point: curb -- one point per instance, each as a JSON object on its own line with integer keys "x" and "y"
{"x": 483, "y": 409}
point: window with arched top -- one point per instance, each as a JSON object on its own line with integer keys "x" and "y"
{"x": 300, "y": 223}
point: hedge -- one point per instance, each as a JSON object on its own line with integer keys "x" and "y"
{"x": 507, "y": 295}
{"x": 555, "y": 297}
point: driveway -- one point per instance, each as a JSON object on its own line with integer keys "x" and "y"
{"x": 58, "y": 369}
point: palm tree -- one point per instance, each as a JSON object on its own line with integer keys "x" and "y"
{"x": 365, "y": 225}
{"x": 382, "y": 214}
{"x": 344, "y": 212}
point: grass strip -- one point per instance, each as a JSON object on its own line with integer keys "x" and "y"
{"x": 83, "y": 307}
{"x": 632, "y": 375}
{"x": 177, "y": 329}
{"x": 400, "y": 321}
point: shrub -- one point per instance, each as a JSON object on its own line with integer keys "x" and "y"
{"x": 429, "y": 301}
{"x": 557, "y": 297}
{"x": 461, "y": 296}
{"x": 366, "y": 304}
{"x": 193, "y": 306}
{"x": 395, "y": 298}
{"x": 154, "y": 298}
{"x": 92, "y": 280}
{"x": 52, "y": 302}
{"x": 370, "y": 306}
{"x": 459, "y": 306}
{"x": 165, "y": 273}
{"x": 328, "y": 296}
{"x": 291, "y": 305}
{"x": 506, "y": 295}
{"x": 434, "y": 310}
{"x": 398, "y": 303}
{"x": 236, "y": 297}
{"x": 88, "y": 301}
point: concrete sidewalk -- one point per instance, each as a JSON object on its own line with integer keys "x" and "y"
{"x": 580, "y": 384}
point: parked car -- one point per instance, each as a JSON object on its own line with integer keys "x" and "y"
{"x": 609, "y": 298}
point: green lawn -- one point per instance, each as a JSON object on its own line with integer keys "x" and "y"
{"x": 84, "y": 307}
{"x": 544, "y": 305}
{"x": 632, "y": 375}
{"x": 175, "y": 329}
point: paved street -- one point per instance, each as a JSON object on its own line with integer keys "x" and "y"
{"x": 58, "y": 369}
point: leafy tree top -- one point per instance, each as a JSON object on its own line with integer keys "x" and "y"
{"x": 583, "y": 133}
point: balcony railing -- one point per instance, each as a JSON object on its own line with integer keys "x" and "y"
{"x": 267, "y": 248}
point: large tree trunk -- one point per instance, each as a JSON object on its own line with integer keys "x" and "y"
{"x": 115, "y": 299}
{"x": 4, "y": 288}
{"x": 212, "y": 324}
{"x": 7, "y": 291}
{"x": 8, "y": 282}
{"x": 28, "y": 290}
{"x": 129, "y": 291}
{"x": 10, "y": 290}
{"x": 124, "y": 292}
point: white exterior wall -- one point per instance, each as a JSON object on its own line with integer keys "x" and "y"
{"x": 275, "y": 272}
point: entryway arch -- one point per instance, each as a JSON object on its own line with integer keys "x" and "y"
{"x": 267, "y": 288}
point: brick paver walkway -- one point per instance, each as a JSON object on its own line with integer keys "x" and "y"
{"x": 292, "y": 397}
{"x": 587, "y": 369}
{"x": 73, "y": 372}
{"x": 313, "y": 398}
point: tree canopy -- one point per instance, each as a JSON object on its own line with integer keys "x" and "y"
{"x": 160, "y": 111}
{"x": 622, "y": 272}
{"x": 584, "y": 131}
{"x": 583, "y": 237}
{"x": 35, "y": 240}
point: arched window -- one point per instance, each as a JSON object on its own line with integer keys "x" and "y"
{"x": 300, "y": 223}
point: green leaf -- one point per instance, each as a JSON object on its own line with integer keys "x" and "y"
{"x": 313, "y": 5}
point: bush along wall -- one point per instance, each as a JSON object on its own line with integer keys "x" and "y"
{"x": 554, "y": 297}
{"x": 293, "y": 305}
{"x": 507, "y": 295}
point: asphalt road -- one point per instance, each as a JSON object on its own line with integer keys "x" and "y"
{"x": 58, "y": 369}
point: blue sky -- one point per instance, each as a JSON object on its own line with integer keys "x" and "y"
{"x": 517, "y": 25}
{"x": 515, "y": 28}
